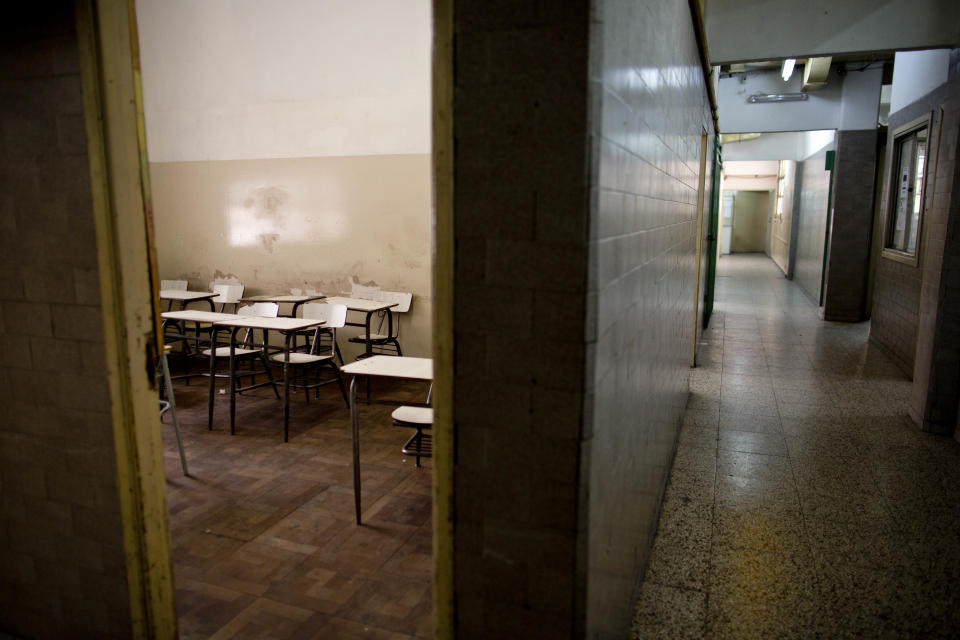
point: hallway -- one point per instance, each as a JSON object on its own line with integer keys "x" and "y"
{"x": 803, "y": 501}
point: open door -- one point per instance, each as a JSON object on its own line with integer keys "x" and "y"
{"x": 714, "y": 223}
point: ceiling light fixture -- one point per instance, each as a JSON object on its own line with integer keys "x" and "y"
{"x": 777, "y": 97}
{"x": 787, "y": 70}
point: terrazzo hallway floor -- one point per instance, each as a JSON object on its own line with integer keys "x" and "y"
{"x": 803, "y": 502}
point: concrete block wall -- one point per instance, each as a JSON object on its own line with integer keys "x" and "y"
{"x": 896, "y": 311}
{"x": 521, "y": 225}
{"x": 848, "y": 260}
{"x": 62, "y": 568}
{"x": 649, "y": 105}
{"x": 895, "y": 318}
{"x": 936, "y": 374}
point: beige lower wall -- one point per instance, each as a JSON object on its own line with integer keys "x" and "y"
{"x": 308, "y": 223}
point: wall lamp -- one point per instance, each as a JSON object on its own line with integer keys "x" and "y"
{"x": 777, "y": 97}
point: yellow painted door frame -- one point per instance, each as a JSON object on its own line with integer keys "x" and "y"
{"x": 443, "y": 348}
{"x": 109, "y": 60}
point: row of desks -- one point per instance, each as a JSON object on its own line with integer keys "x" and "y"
{"x": 373, "y": 367}
{"x": 360, "y": 305}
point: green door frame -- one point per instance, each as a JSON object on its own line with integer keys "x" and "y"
{"x": 714, "y": 232}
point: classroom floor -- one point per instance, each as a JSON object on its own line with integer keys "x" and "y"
{"x": 264, "y": 542}
{"x": 803, "y": 502}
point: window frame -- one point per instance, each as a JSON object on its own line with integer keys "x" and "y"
{"x": 890, "y": 197}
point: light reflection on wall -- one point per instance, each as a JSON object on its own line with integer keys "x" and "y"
{"x": 271, "y": 216}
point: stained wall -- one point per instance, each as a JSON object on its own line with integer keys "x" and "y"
{"x": 649, "y": 104}
{"x": 289, "y": 146}
{"x": 62, "y": 562}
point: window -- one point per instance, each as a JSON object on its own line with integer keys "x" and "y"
{"x": 906, "y": 190}
{"x": 781, "y": 180}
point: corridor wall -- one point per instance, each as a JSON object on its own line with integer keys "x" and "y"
{"x": 811, "y": 220}
{"x": 648, "y": 112}
{"x": 914, "y": 309}
{"x": 578, "y": 223}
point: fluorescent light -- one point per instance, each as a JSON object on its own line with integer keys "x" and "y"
{"x": 776, "y": 97}
{"x": 787, "y": 69}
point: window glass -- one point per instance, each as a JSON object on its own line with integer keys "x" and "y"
{"x": 910, "y": 152}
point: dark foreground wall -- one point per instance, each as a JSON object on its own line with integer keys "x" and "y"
{"x": 577, "y": 132}
{"x": 62, "y": 566}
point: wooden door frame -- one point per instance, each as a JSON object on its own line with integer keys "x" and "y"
{"x": 113, "y": 107}
{"x": 116, "y": 147}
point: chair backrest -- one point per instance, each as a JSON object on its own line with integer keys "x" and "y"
{"x": 260, "y": 310}
{"x": 176, "y": 285}
{"x": 227, "y": 293}
{"x": 333, "y": 315}
{"x": 403, "y": 300}
{"x": 364, "y": 292}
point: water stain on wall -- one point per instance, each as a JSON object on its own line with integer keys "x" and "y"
{"x": 267, "y": 204}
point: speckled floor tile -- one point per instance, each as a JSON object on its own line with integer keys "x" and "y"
{"x": 754, "y": 466}
{"x": 748, "y": 422}
{"x": 865, "y": 510}
{"x": 701, "y": 418}
{"x": 678, "y": 565}
{"x": 829, "y": 514}
{"x": 754, "y": 495}
{"x": 758, "y": 530}
{"x": 703, "y": 438}
{"x": 669, "y": 613}
{"x": 752, "y": 442}
{"x": 876, "y": 547}
{"x": 702, "y": 460}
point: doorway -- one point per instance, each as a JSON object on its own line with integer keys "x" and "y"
{"x": 750, "y": 219}
{"x": 261, "y": 211}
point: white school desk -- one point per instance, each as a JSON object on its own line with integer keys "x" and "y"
{"x": 379, "y": 367}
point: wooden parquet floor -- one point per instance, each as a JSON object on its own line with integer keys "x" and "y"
{"x": 264, "y": 543}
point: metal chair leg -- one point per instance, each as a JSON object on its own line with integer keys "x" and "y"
{"x": 173, "y": 410}
{"x": 273, "y": 383}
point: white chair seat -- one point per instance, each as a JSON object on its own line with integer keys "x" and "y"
{"x": 373, "y": 336}
{"x": 299, "y": 358}
{"x": 224, "y": 352}
{"x": 413, "y": 415}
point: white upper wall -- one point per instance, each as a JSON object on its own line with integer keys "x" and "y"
{"x": 917, "y": 73}
{"x": 793, "y": 145}
{"x": 247, "y": 79}
{"x": 850, "y": 102}
{"x": 747, "y": 30}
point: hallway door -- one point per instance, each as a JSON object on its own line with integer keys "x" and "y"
{"x": 750, "y": 211}
{"x": 712, "y": 233}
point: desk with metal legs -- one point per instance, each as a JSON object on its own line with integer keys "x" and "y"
{"x": 402, "y": 367}
{"x": 197, "y": 318}
{"x": 369, "y": 307}
{"x": 288, "y": 327}
{"x": 186, "y": 297}
{"x": 295, "y": 300}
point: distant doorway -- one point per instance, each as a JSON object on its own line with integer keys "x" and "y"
{"x": 751, "y": 211}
